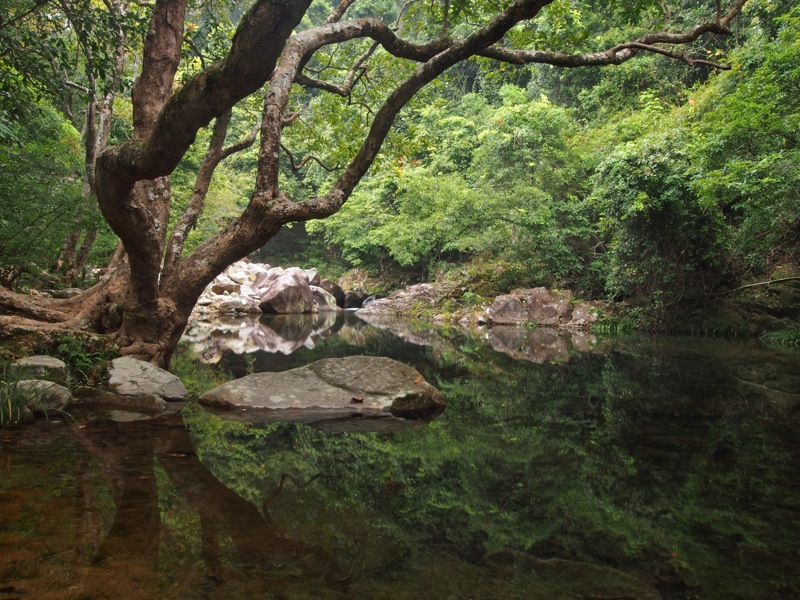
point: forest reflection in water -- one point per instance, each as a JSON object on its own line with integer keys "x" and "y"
{"x": 623, "y": 468}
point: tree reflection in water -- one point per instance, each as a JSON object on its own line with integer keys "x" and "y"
{"x": 641, "y": 468}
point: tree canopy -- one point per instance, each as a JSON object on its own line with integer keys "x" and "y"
{"x": 485, "y": 157}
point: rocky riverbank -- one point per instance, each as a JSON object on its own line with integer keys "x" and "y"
{"x": 379, "y": 391}
{"x": 247, "y": 288}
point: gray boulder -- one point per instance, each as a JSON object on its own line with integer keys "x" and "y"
{"x": 585, "y": 314}
{"x": 40, "y": 367}
{"x": 43, "y": 397}
{"x": 400, "y": 302}
{"x": 133, "y": 377}
{"x": 329, "y": 388}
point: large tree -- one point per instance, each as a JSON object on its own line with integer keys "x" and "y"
{"x": 145, "y": 299}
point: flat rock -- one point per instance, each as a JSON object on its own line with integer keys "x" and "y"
{"x": 133, "y": 377}
{"x": 330, "y": 388}
{"x": 40, "y": 367}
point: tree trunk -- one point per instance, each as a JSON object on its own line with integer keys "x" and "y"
{"x": 81, "y": 257}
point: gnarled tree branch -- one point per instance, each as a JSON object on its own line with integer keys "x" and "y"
{"x": 622, "y": 52}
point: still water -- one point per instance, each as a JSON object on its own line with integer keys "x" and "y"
{"x": 563, "y": 468}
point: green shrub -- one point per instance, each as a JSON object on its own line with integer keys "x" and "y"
{"x": 783, "y": 337}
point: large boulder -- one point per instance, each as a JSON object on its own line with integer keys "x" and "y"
{"x": 286, "y": 292}
{"x": 329, "y": 388}
{"x": 132, "y": 377}
{"x": 355, "y": 298}
{"x": 586, "y": 314}
{"x": 401, "y": 302}
{"x": 542, "y": 306}
{"x": 325, "y": 301}
{"x": 40, "y": 367}
{"x": 334, "y": 289}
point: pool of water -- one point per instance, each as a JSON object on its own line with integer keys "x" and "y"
{"x": 563, "y": 467}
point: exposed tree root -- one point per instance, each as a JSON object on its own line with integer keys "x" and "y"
{"x": 33, "y": 336}
{"x": 30, "y": 306}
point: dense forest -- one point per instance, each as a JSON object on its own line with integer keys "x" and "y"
{"x": 664, "y": 182}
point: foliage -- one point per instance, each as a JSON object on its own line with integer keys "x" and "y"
{"x": 39, "y": 190}
{"x": 789, "y": 336}
{"x": 86, "y": 357}
{"x": 658, "y": 232}
{"x": 747, "y": 144}
{"x": 13, "y": 401}
{"x": 484, "y": 179}
{"x": 652, "y": 181}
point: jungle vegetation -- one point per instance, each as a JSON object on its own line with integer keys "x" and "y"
{"x": 644, "y": 152}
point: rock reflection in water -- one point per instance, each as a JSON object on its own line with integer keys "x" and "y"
{"x": 283, "y": 334}
{"x": 540, "y": 345}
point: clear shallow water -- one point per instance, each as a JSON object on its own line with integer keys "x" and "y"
{"x": 562, "y": 468}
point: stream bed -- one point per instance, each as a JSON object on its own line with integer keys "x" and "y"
{"x": 564, "y": 467}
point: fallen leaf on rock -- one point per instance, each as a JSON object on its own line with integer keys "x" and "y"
{"x": 419, "y": 379}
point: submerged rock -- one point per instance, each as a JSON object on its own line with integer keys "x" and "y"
{"x": 329, "y": 388}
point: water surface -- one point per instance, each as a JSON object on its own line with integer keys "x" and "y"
{"x": 562, "y": 468}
